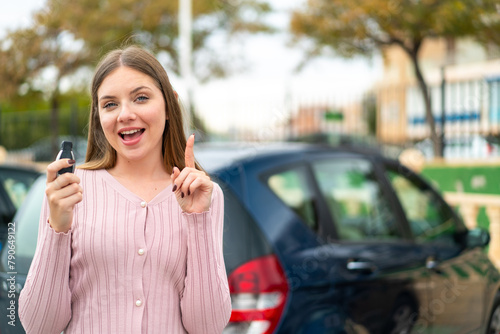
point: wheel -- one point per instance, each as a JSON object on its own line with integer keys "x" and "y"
{"x": 494, "y": 321}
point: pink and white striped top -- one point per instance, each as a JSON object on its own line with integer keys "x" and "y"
{"x": 127, "y": 266}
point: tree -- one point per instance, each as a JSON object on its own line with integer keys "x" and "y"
{"x": 105, "y": 25}
{"x": 361, "y": 27}
{"x": 70, "y": 35}
{"x": 36, "y": 59}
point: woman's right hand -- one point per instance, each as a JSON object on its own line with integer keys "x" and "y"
{"x": 63, "y": 193}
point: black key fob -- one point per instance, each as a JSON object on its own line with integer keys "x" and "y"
{"x": 66, "y": 152}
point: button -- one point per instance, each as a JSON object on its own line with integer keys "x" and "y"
{"x": 143, "y": 204}
{"x": 140, "y": 251}
{"x": 138, "y": 302}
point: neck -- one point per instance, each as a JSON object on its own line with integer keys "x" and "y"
{"x": 149, "y": 169}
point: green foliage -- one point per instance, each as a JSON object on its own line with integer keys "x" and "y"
{"x": 24, "y": 120}
{"x": 32, "y": 100}
{"x": 364, "y": 26}
{"x": 21, "y": 129}
{"x": 68, "y": 36}
{"x": 105, "y": 25}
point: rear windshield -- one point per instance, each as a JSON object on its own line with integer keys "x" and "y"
{"x": 243, "y": 239}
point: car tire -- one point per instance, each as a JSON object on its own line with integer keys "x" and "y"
{"x": 403, "y": 316}
{"x": 494, "y": 320}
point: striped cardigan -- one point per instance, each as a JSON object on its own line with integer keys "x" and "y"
{"x": 127, "y": 266}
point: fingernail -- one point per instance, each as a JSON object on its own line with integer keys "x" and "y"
{"x": 182, "y": 195}
{"x": 174, "y": 188}
{"x": 189, "y": 192}
{"x": 71, "y": 162}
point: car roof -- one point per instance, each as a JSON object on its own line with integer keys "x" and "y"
{"x": 215, "y": 155}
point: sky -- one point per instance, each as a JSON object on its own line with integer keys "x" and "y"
{"x": 17, "y": 13}
{"x": 269, "y": 89}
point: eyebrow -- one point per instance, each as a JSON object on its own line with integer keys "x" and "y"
{"x": 133, "y": 91}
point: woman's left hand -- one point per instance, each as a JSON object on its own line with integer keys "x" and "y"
{"x": 192, "y": 187}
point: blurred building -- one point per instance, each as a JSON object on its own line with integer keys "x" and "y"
{"x": 471, "y": 89}
{"x": 333, "y": 117}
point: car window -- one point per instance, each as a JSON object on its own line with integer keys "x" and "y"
{"x": 292, "y": 188}
{"x": 17, "y": 184}
{"x": 430, "y": 219}
{"x": 26, "y": 226}
{"x": 357, "y": 204}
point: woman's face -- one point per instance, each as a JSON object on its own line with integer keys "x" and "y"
{"x": 132, "y": 114}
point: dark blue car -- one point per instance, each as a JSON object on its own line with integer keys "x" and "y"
{"x": 326, "y": 240}
{"x": 15, "y": 182}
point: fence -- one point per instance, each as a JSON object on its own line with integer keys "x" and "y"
{"x": 21, "y": 129}
{"x": 471, "y": 111}
{"x": 291, "y": 116}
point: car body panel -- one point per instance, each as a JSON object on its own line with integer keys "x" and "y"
{"x": 299, "y": 250}
{"x": 312, "y": 265}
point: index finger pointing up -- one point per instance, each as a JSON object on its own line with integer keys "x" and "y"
{"x": 189, "y": 154}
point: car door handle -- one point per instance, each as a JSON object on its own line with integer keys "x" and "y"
{"x": 432, "y": 264}
{"x": 361, "y": 266}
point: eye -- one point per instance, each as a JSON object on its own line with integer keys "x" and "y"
{"x": 109, "y": 105}
{"x": 142, "y": 98}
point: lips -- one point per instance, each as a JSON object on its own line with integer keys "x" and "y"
{"x": 131, "y": 136}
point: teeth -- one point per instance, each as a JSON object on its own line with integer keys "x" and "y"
{"x": 129, "y": 132}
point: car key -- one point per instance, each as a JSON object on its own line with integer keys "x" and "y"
{"x": 66, "y": 152}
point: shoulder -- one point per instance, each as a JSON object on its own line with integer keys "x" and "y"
{"x": 88, "y": 174}
{"x": 83, "y": 171}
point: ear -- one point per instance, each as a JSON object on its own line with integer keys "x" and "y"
{"x": 176, "y": 95}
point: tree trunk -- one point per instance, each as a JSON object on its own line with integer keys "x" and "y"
{"x": 436, "y": 140}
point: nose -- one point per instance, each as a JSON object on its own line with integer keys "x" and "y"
{"x": 126, "y": 113}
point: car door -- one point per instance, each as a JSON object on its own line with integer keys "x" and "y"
{"x": 458, "y": 275}
{"x": 292, "y": 217}
{"x": 14, "y": 185}
{"x": 380, "y": 272}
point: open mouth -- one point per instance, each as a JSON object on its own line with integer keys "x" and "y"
{"x": 131, "y": 134}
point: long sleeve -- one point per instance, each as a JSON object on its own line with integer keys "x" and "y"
{"x": 45, "y": 301}
{"x": 128, "y": 266}
{"x": 206, "y": 303}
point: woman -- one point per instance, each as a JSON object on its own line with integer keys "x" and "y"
{"x": 132, "y": 242}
